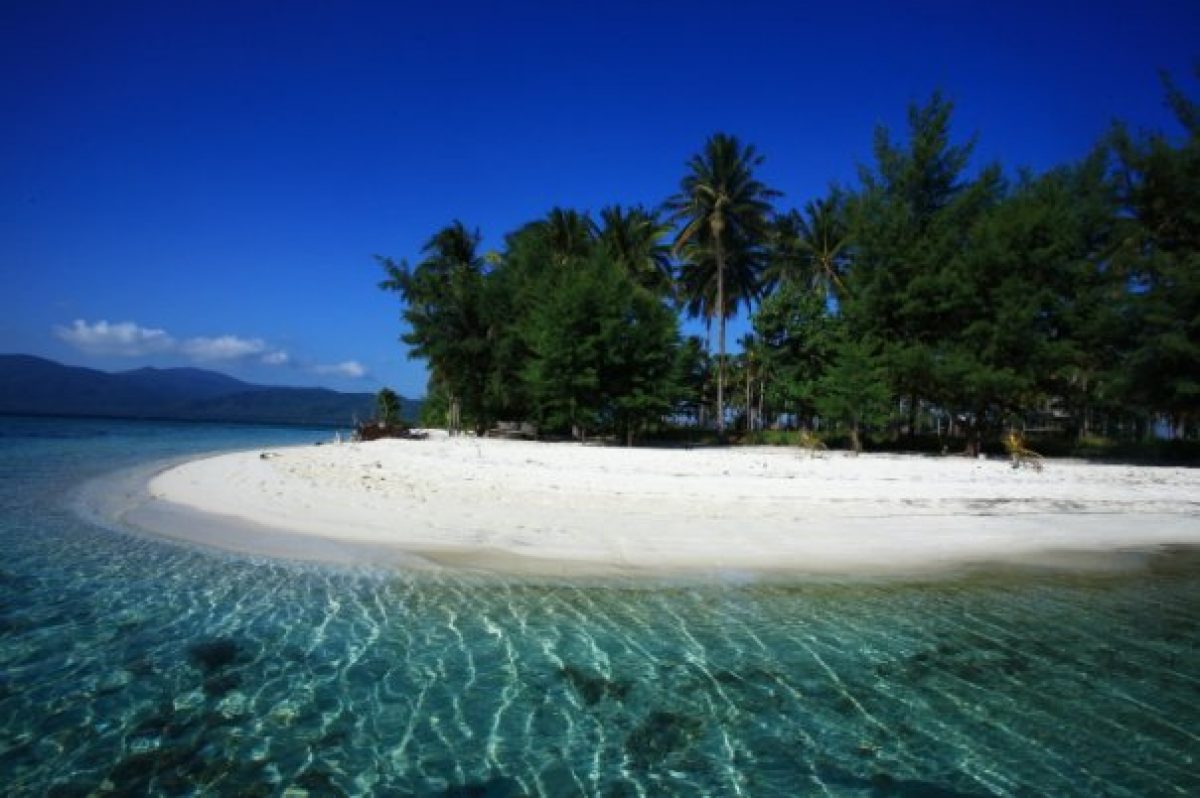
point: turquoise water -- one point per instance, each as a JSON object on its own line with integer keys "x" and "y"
{"x": 130, "y": 666}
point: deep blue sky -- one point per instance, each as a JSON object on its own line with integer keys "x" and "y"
{"x": 212, "y": 178}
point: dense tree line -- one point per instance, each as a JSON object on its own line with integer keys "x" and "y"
{"x": 572, "y": 326}
{"x": 934, "y": 296}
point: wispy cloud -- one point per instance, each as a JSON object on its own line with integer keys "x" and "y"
{"x": 347, "y": 368}
{"x": 223, "y": 347}
{"x": 129, "y": 339}
{"x": 125, "y": 338}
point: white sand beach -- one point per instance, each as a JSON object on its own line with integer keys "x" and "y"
{"x": 562, "y": 508}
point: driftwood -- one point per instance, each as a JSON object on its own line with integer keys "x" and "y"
{"x": 374, "y": 430}
{"x": 811, "y": 442}
{"x": 514, "y": 429}
{"x": 1021, "y": 454}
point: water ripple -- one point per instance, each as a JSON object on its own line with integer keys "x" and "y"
{"x": 134, "y": 666}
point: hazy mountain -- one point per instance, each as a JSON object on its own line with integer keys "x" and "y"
{"x": 183, "y": 384}
{"x": 35, "y": 386}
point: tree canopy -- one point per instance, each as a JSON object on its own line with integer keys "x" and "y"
{"x": 932, "y": 296}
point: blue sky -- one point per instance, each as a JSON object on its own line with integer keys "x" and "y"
{"x": 205, "y": 183}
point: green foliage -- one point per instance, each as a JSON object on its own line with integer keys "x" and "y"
{"x": 703, "y": 288}
{"x": 446, "y": 315}
{"x": 387, "y": 406}
{"x": 568, "y": 235}
{"x": 933, "y": 304}
{"x": 721, "y": 204}
{"x": 854, "y": 390}
{"x": 1158, "y": 186}
{"x": 636, "y": 241}
{"x": 602, "y": 351}
{"x": 693, "y": 369}
{"x": 435, "y": 407}
{"x": 565, "y": 332}
{"x": 559, "y": 327}
{"x": 942, "y": 275}
{"x": 723, "y": 212}
{"x": 812, "y": 248}
{"x": 795, "y": 336}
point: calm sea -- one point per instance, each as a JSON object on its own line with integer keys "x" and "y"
{"x": 130, "y": 666}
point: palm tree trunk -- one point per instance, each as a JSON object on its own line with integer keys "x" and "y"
{"x": 720, "y": 335}
{"x": 762, "y": 389}
{"x": 749, "y": 406}
{"x": 702, "y": 408}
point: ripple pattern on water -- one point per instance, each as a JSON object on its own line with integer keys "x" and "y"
{"x": 131, "y": 666}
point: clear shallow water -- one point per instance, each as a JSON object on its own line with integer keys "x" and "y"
{"x": 130, "y": 666}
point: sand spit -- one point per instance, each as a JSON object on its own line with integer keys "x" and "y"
{"x": 525, "y": 507}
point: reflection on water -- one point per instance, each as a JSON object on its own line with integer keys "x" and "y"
{"x": 132, "y": 666}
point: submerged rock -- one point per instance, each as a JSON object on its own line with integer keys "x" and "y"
{"x": 318, "y": 781}
{"x": 661, "y": 735}
{"x": 212, "y": 655}
{"x": 592, "y": 687}
{"x": 496, "y": 787}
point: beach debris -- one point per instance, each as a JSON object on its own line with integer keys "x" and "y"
{"x": 523, "y": 430}
{"x": 1021, "y": 454}
{"x": 810, "y": 442}
{"x": 375, "y": 430}
{"x": 268, "y": 455}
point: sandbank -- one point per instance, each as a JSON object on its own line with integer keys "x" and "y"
{"x": 566, "y": 509}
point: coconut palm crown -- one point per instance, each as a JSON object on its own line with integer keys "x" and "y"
{"x": 812, "y": 248}
{"x": 636, "y": 239}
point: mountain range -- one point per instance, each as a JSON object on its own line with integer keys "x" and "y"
{"x": 36, "y": 386}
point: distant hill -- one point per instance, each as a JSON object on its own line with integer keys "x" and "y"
{"x": 35, "y": 386}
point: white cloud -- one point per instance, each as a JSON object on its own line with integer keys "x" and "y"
{"x": 347, "y": 368}
{"x": 125, "y": 338}
{"x": 129, "y": 339}
{"x": 223, "y": 347}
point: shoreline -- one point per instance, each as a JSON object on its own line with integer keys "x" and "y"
{"x": 561, "y": 510}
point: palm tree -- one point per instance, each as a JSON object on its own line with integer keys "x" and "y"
{"x": 442, "y": 309}
{"x": 721, "y": 207}
{"x": 569, "y": 234}
{"x": 453, "y": 249}
{"x": 635, "y": 239}
{"x": 698, "y": 284}
{"x": 811, "y": 248}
